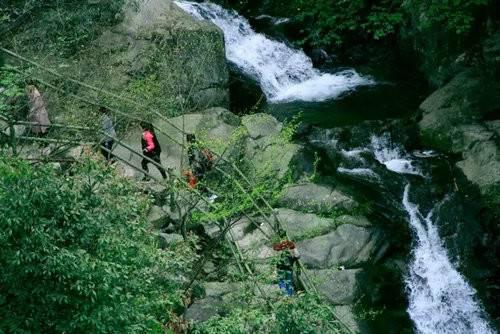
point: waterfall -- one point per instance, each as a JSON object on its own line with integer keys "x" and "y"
{"x": 284, "y": 74}
{"x": 440, "y": 299}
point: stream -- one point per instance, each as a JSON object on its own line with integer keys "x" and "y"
{"x": 436, "y": 296}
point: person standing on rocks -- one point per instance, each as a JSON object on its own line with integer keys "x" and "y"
{"x": 285, "y": 266}
{"x": 201, "y": 161}
{"x": 151, "y": 149}
{"x": 109, "y": 133}
{"x": 38, "y": 112}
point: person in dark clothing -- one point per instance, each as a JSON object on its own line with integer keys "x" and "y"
{"x": 151, "y": 149}
{"x": 200, "y": 160}
{"x": 285, "y": 266}
{"x": 108, "y": 131}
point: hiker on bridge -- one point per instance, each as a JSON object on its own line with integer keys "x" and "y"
{"x": 285, "y": 267}
{"x": 151, "y": 149}
{"x": 38, "y": 111}
{"x": 109, "y": 133}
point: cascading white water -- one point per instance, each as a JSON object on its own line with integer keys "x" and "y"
{"x": 440, "y": 299}
{"x": 284, "y": 74}
{"x": 392, "y": 156}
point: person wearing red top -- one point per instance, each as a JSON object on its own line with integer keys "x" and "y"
{"x": 150, "y": 149}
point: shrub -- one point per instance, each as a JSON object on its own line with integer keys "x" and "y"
{"x": 77, "y": 255}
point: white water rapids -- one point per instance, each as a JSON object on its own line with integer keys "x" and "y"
{"x": 440, "y": 299}
{"x": 284, "y": 74}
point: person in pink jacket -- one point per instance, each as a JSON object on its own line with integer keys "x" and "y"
{"x": 150, "y": 149}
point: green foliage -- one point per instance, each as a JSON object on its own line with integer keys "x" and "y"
{"x": 328, "y": 23}
{"x": 11, "y": 90}
{"x": 301, "y": 314}
{"x": 77, "y": 255}
{"x": 455, "y": 16}
{"x": 315, "y": 175}
{"x": 336, "y": 22}
{"x": 59, "y": 27}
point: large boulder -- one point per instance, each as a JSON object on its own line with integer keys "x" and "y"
{"x": 481, "y": 166}
{"x": 157, "y": 217}
{"x": 269, "y": 152}
{"x": 160, "y": 57}
{"x": 301, "y": 225}
{"x": 214, "y": 302}
{"x": 253, "y": 237}
{"x": 447, "y": 108}
{"x": 337, "y": 286}
{"x": 464, "y": 100}
{"x": 261, "y": 126}
{"x": 348, "y": 245}
{"x": 453, "y": 122}
{"x": 321, "y": 199}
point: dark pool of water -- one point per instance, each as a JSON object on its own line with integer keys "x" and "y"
{"x": 378, "y": 102}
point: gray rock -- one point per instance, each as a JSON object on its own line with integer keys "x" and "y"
{"x": 465, "y": 136}
{"x": 481, "y": 166}
{"x": 219, "y": 299}
{"x": 348, "y": 245}
{"x": 300, "y": 225}
{"x": 447, "y": 108}
{"x": 310, "y": 197}
{"x": 169, "y": 239}
{"x": 463, "y": 101}
{"x": 19, "y": 130}
{"x": 252, "y": 239}
{"x": 339, "y": 287}
{"x": 494, "y": 126}
{"x": 276, "y": 159}
{"x": 204, "y": 309}
{"x": 75, "y": 152}
{"x": 157, "y": 217}
{"x": 261, "y": 125}
{"x": 353, "y": 220}
{"x": 348, "y": 317}
{"x": 211, "y": 229}
{"x": 161, "y": 49}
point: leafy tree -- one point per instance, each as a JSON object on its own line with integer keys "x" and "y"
{"x": 327, "y": 23}
{"x": 333, "y": 23}
{"x": 77, "y": 255}
{"x": 455, "y": 16}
